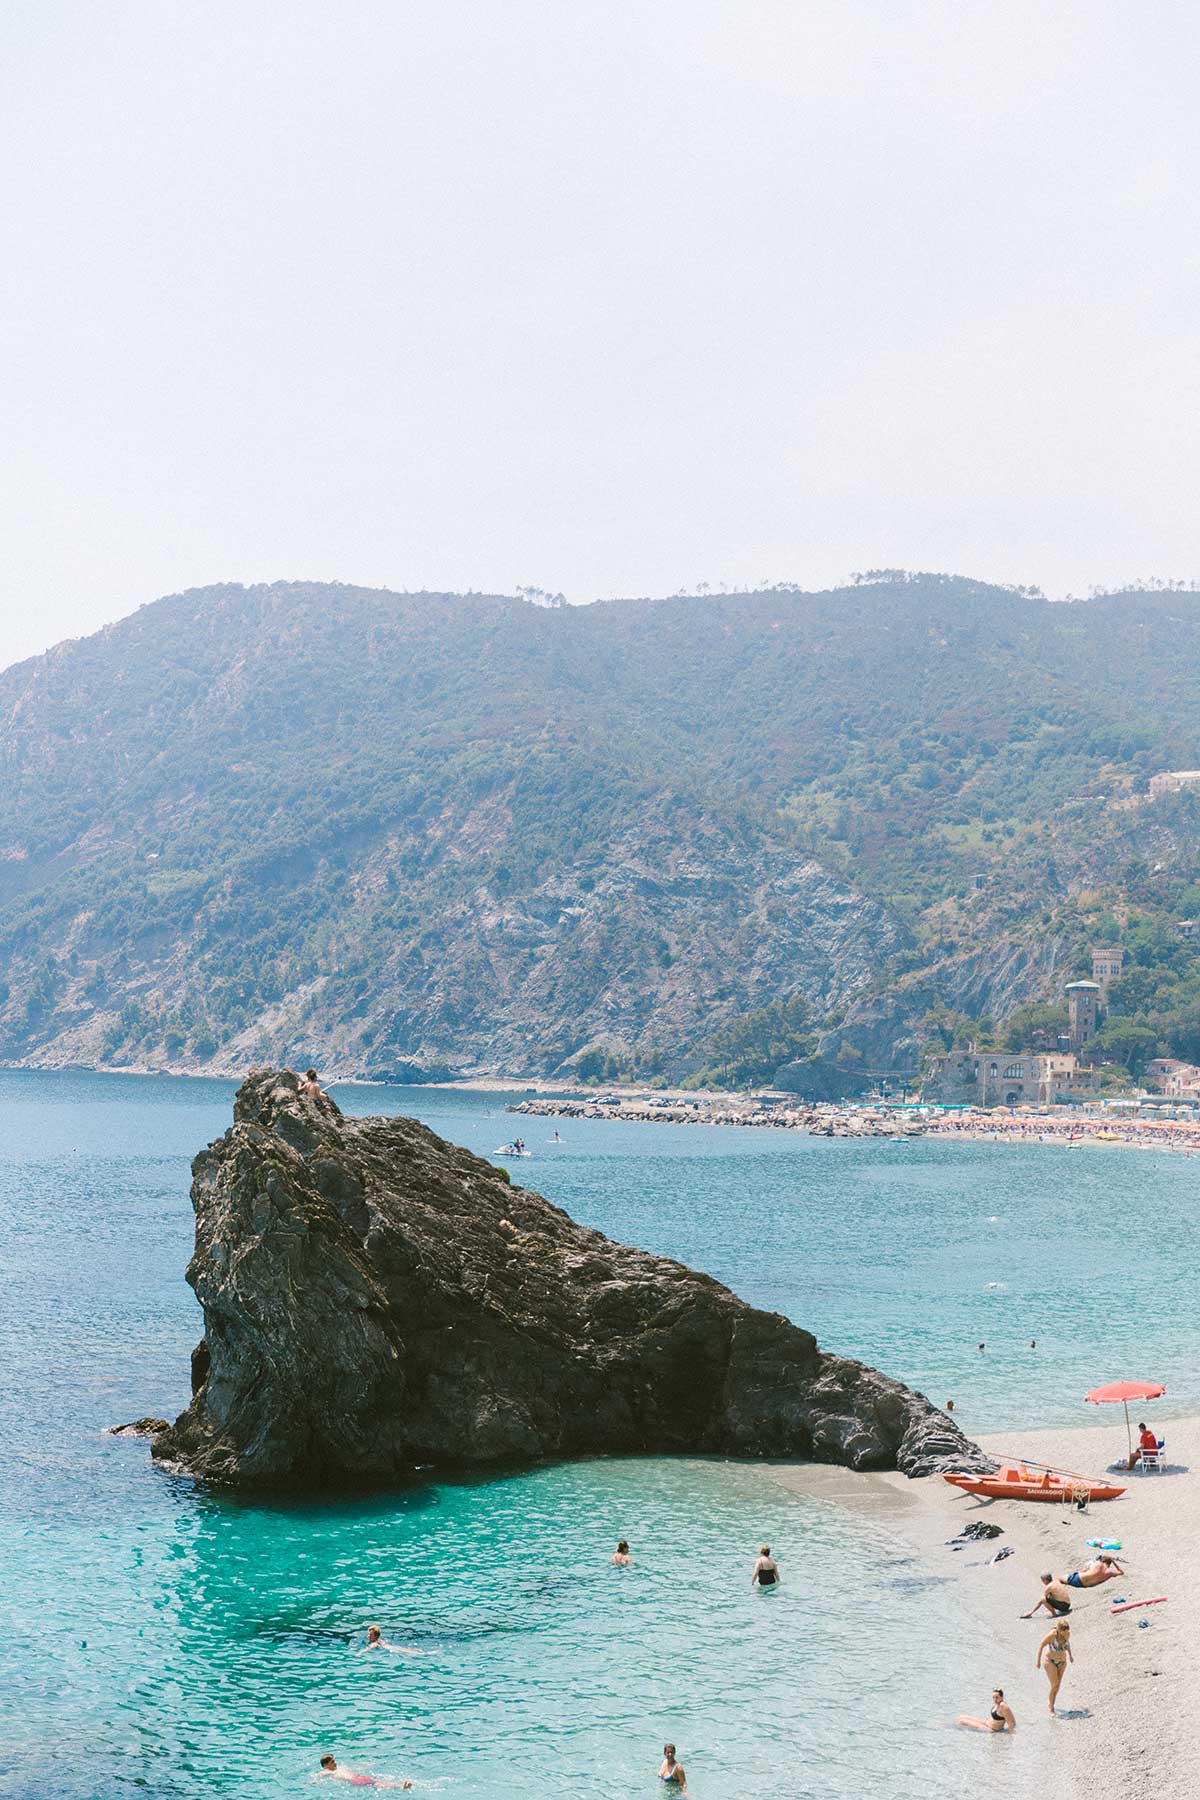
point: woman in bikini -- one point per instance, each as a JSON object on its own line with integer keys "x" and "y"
{"x": 1001, "y": 1717}
{"x": 672, "y": 1772}
{"x": 1056, "y": 1648}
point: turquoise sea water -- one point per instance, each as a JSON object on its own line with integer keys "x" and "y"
{"x": 158, "y": 1638}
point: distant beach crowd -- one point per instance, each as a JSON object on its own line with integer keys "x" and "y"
{"x": 1075, "y": 1130}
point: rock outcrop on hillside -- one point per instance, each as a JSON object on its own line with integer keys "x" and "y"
{"x": 375, "y": 1298}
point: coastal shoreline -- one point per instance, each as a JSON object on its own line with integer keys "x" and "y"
{"x": 1087, "y": 1131}
{"x": 1125, "y": 1723}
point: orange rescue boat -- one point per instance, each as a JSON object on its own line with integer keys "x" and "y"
{"x": 1017, "y": 1481}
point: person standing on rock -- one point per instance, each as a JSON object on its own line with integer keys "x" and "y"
{"x": 766, "y": 1569}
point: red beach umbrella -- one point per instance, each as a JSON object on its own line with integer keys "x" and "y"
{"x": 1125, "y": 1391}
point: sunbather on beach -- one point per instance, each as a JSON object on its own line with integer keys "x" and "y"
{"x": 1056, "y": 1597}
{"x": 329, "y": 1767}
{"x": 1093, "y": 1574}
{"x": 766, "y": 1569}
{"x": 377, "y": 1641}
{"x": 1001, "y": 1717}
{"x": 1056, "y": 1648}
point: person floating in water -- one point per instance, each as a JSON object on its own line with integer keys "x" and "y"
{"x": 766, "y": 1569}
{"x": 1056, "y": 1648}
{"x": 329, "y": 1767}
{"x": 377, "y": 1641}
{"x": 672, "y": 1772}
{"x": 949, "y": 1406}
{"x": 982, "y": 1348}
{"x": 1001, "y": 1717}
{"x": 621, "y": 1555}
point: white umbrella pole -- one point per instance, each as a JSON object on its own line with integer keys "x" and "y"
{"x": 1128, "y": 1430}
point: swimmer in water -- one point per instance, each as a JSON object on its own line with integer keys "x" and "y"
{"x": 766, "y": 1569}
{"x": 377, "y": 1641}
{"x": 329, "y": 1767}
{"x": 672, "y": 1772}
{"x": 983, "y": 1347}
{"x": 621, "y": 1556}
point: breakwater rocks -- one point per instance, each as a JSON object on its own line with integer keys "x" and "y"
{"x": 376, "y": 1298}
{"x": 823, "y": 1119}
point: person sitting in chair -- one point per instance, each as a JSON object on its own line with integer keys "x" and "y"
{"x": 1146, "y": 1441}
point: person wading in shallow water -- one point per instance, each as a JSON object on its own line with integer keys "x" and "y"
{"x": 672, "y": 1773}
{"x": 766, "y": 1569}
{"x": 621, "y": 1556}
{"x": 1001, "y": 1717}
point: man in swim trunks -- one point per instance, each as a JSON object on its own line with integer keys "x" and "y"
{"x": 329, "y": 1767}
{"x": 1056, "y": 1598}
{"x": 1095, "y": 1574}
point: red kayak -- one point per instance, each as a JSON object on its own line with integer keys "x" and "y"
{"x": 1017, "y": 1482}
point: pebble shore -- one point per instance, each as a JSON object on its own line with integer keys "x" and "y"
{"x": 1076, "y": 1130}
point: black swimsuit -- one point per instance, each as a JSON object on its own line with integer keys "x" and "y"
{"x": 768, "y": 1577}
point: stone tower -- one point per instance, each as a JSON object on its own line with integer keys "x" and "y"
{"x": 1083, "y": 1003}
{"x": 1106, "y": 966}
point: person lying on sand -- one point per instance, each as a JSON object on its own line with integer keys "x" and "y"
{"x": 1001, "y": 1717}
{"x": 1056, "y": 1648}
{"x": 1094, "y": 1574}
{"x": 377, "y": 1641}
{"x": 1056, "y": 1598}
{"x": 329, "y": 1767}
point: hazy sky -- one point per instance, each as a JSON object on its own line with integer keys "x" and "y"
{"x": 612, "y": 299}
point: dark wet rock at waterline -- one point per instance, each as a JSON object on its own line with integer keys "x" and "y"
{"x": 375, "y": 1298}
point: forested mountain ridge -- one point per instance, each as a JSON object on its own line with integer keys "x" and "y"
{"x": 388, "y": 830}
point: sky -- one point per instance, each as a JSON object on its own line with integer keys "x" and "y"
{"x": 604, "y": 299}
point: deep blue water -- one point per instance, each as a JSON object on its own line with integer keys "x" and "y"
{"x": 158, "y": 1638}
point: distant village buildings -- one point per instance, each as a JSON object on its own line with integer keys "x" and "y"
{"x": 1173, "y": 781}
{"x": 1173, "y": 1079}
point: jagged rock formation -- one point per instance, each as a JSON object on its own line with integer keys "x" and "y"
{"x": 375, "y": 1298}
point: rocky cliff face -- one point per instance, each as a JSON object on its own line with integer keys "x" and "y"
{"x": 375, "y": 1298}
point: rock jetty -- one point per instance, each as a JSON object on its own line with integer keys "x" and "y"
{"x": 375, "y": 1298}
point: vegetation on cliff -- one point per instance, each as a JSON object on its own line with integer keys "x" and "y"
{"x": 655, "y": 838}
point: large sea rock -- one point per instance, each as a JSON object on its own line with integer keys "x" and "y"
{"x": 376, "y": 1298}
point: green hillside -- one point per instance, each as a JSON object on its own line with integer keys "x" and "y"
{"x": 653, "y": 838}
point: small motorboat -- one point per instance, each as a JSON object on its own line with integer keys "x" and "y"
{"x": 1017, "y": 1481}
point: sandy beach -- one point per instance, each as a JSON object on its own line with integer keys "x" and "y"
{"x": 1126, "y": 1709}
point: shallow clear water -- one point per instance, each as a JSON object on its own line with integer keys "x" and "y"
{"x": 157, "y": 1637}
